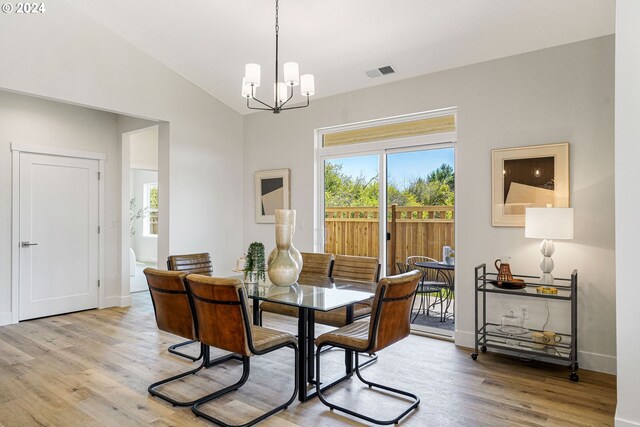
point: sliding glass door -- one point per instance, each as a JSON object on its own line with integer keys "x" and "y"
{"x": 394, "y": 204}
{"x": 352, "y": 205}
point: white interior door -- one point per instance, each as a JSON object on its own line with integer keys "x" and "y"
{"x": 59, "y": 205}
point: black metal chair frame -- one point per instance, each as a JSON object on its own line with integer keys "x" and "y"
{"x": 172, "y": 348}
{"x": 206, "y": 363}
{"x": 204, "y": 355}
{"x": 246, "y": 369}
{"x": 415, "y": 399}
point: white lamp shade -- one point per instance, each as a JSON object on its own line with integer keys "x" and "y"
{"x": 291, "y": 74}
{"x": 246, "y": 89}
{"x": 307, "y": 85}
{"x": 252, "y": 74}
{"x": 548, "y": 223}
{"x": 280, "y": 92}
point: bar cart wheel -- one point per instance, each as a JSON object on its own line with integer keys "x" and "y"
{"x": 574, "y": 377}
{"x": 474, "y": 356}
{"x": 483, "y": 349}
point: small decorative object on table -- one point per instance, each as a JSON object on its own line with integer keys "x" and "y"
{"x": 504, "y": 269}
{"x": 446, "y": 253}
{"x": 451, "y": 259}
{"x": 255, "y": 265}
{"x": 504, "y": 278}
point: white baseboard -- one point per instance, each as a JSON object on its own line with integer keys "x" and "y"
{"x": 125, "y": 301}
{"x": 597, "y": 362}
{"x": 465, "y": 339}
{"x": 586, "y": 360}
{"x": 5, "y": 318}
{"x": 620, "y": 422}
{"x": 117, "y": 301}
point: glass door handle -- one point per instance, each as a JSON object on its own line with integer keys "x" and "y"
{"x": 26, "y": 244}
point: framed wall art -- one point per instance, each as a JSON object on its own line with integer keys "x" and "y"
{"x": 272, "y": 192}
{"x": 525, "y": 177}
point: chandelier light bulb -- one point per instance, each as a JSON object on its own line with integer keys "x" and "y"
{"x": 246, "y": 89}
{"x": 307, "y": 85}
{"x": 291, "y": 74}
{"x": 252, "y": 74}
{"x": 280, "y": 92}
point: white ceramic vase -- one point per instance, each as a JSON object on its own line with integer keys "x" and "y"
{"x": 287, "y": 217}
{"x": 283, "y": 271}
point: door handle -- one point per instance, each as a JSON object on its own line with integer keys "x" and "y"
{"x": 26, "y": 244}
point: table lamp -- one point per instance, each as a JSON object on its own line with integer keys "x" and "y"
{"x": 548, "y": 224}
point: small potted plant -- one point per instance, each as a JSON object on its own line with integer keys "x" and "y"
{"x": 255, "y": 266}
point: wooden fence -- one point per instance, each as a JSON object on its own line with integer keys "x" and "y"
{"x": 414, "y": 230}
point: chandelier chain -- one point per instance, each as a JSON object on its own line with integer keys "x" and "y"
{"x": 277, "y": 26}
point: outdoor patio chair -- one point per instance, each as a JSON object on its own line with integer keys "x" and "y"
{"x": 190, "y": 263}
{"x": 220, "y": 307}
{"x": 430, "y": 284}
{"x": 389, "y": 323}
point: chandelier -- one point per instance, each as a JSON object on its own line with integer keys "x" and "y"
{"x": 282, "y": 91}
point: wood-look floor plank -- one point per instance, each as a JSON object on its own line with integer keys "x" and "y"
{"x": 93, "y": 368}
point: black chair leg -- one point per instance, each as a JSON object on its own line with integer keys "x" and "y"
{"x": 205, "y": 351}
{"x": 172, "y": 350}
{"x": 243, "y": 379}
{"x": 415, "y": 399}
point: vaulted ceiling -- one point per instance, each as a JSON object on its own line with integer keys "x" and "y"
{"x": 210, "y": 41}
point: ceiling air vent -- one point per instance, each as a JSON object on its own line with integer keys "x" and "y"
{"x": 379, "y": 72}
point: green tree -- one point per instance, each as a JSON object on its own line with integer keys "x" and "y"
{"x": 153, "y": 198}
{"x": 342, "y": 190}
{"x": 444, "y": 173}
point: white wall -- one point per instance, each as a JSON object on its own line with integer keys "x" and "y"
{"x": 144, "y": 149}
{"x": 627, "y": 207}
{"x": 64, "y": 55}
{"x": 28, "y": 120}
{"x": 554, "y": 95}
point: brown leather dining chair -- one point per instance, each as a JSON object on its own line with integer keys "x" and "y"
{"x": 190, "y": 263}
{"x": 173, "y": 313}
{"x": 222, "y": 319}
{"x": 313, "y": 264}
{"x": 389, "y": 323}
{"x": 354, "y": 269}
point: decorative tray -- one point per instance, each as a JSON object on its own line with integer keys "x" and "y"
{"x": 513, "y": 284}
{"x": 512, "y": 330}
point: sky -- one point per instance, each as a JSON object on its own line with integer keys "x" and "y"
{"x": 402, "y": 167}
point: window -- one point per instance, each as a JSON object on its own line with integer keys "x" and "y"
{"x": 150, "y": 205}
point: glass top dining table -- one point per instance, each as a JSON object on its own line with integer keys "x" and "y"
{"x": 319, "y": 293}
{"x": 309, "y": 294}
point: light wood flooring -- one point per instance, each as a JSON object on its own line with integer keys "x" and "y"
{"x": 93, "y": 368}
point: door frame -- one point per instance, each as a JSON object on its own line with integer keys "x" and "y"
{"x": 381, "y": 148}
{"x": 16, "y": 150}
